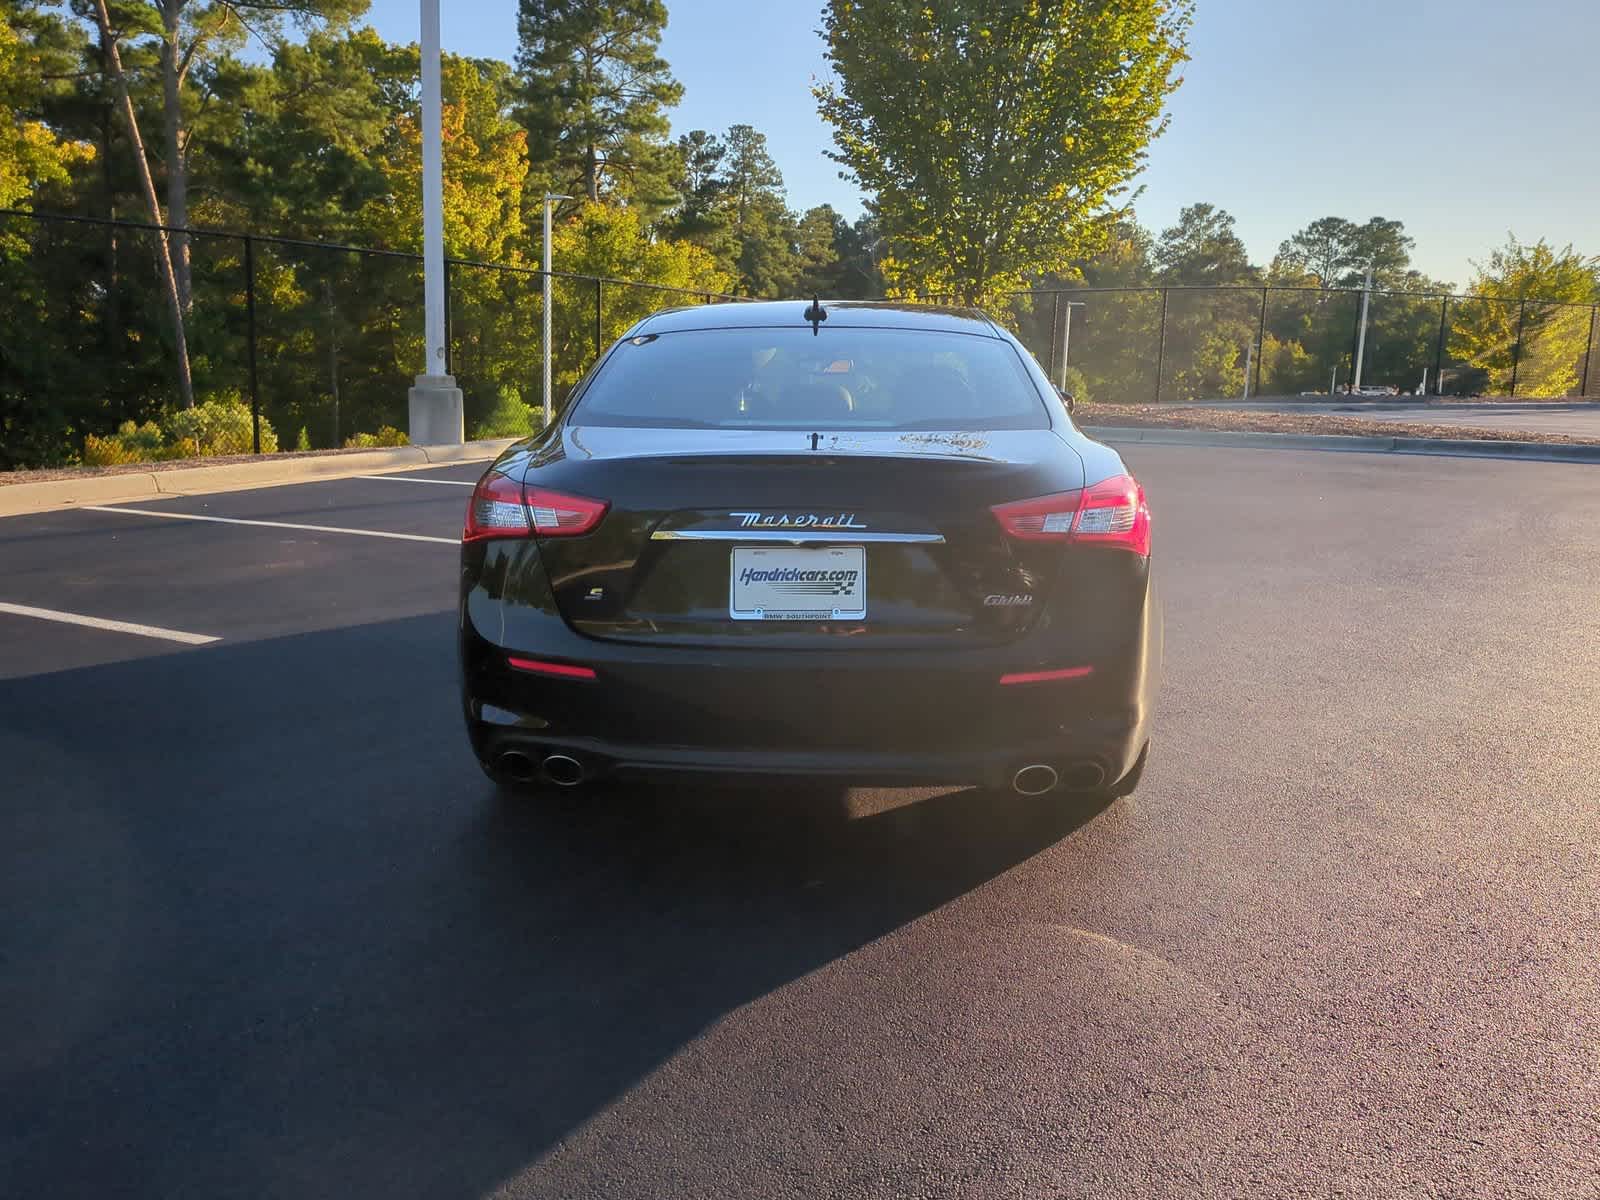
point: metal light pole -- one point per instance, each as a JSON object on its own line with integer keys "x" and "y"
{"x": 1361, "y": 338}
{"x": 1066, "y": 339}
{"x": 1438, "y": 350}
{"x": 549, "y": 202}
{"x": 1588, "y": 353}
{"x": 432, "y": 189}
{"x": 435, "y": 401}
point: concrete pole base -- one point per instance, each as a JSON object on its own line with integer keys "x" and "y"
{"x": 436, "y": 412}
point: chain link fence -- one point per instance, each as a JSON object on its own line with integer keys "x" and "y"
{"x": 298, "y": 345}
{"x": 1185, "y": 344}
{"x": 293, "y": 345}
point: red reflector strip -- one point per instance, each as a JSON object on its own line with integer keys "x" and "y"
{"x": 1046, "y": 676}
{"x": 556, "y": 670}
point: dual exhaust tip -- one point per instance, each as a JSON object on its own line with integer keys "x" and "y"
{"x": 559, "y": 770}
{"x": 1039, "y": 778}
{"x": 564, "y": 771}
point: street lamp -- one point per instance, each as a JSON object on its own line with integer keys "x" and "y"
{"x": 1066, "y": 339}
{"x": 1361, "y": 335}
{"x": 549, "y": 202}
{"x": 435, "y": 402}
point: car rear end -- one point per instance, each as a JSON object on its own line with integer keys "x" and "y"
{"x": 880, "y": 556}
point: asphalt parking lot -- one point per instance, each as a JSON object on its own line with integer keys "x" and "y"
{"x": 267, "y": 931}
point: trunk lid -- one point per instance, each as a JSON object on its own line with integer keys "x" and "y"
{"x": 690, "y": 509}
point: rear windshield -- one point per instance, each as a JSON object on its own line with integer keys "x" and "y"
{"x": 793, "y": 379}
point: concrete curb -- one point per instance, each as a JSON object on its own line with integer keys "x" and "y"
{"x": 47, "y": 495}
{"x": 1454, "y": 447}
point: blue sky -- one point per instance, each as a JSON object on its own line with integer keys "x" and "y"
{"x": 1463, "y": 118}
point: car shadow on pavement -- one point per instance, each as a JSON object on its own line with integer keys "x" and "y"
{"x": 271, "y": 933}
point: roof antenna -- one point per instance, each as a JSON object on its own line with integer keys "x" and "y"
{"x": 816, "y": 314}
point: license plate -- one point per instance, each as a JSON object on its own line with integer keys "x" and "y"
{"x": 785, "y": 584}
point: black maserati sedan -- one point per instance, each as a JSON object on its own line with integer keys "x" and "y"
{"x": 847, "y": 542}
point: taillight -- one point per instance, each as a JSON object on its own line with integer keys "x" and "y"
{"x": 496, "y": 510}
{"x": 558, "y": 515}
{"x": 1045, "y": 519}
{"x": 502, "y": 508}
{"x": 1112, "y": 512}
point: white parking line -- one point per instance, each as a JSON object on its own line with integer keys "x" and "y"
{"x": 173, "y": 516}
{"x": 417, "y": 479}
{"x": 149, "y": 631}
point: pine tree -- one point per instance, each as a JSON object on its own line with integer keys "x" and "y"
{"x": 763, "y": 227}
{"x": 595, "y": 91}
{"x": 701, "y": 216}
{"x": 1202, "y": 248}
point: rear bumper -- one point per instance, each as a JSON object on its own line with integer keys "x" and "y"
{"x": 1107, "y": 749}
{"x": 854, "y": 713}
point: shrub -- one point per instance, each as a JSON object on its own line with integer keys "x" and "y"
{"x": 131, "y": 443}
{"x": 221, "y": 425}
{"x": 509, "y": 417}
{"x": 303, "y": 442}
{"x": 388, "y": 435}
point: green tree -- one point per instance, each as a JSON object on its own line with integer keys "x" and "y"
{"x": 612, "y": 241}
{"x": 166, "y": 251}
{"x": 763, "y": 227}
{"x": 1386, "y": 246}
{"x": 860, "y": 249}
{"x": 1112, "y": 348}
{"x": 732, "y": 204}
{"x": 485, "y": 165}
{"x": 750, "y": 177}
{"x": 1322, "y": 251}
{"x": 701, "y": 180}
{"x": 34, "y": 46}
{"x": 190, "y": 37}
{"x": 1554, "y": 335}
{"x": 42, "y": 312}
{"x": 702, "y": 215}
{"x": 595, "y": 91}
{"x": 991, "y": 136}
{"x": 307, "y": 147}
{"x": 1335, "y": 252}
{"x": 817, "y": 238}
{"x": 1208, "y": 332}
{"x": 1125, "y": 259}
{"x": 302, "y": 154}
{"x": 1287, "y": 368}
{"x": 485, "y": 171}
{"x": 1115, "y": 334}
{"x": 1202, "y": 248}
{"x": 330, "y": 150}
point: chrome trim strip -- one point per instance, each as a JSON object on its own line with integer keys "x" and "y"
{"x": 794, "y": 537}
